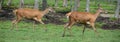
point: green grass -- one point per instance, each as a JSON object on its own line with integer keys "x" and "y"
{"x": 25, "y": 33}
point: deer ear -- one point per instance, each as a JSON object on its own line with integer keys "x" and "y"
{"x": 99, "y": 6}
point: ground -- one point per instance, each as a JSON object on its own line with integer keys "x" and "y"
{"x": 25, "y": 33}
{"x": 55, "y": 25}
{"x": 59, "y": 18}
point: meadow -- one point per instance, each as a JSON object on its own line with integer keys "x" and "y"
{"x": 25, "y": 33}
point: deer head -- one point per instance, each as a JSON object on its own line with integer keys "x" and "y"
{"x": 50, "y": 9}
{"x": 101, "y": 10}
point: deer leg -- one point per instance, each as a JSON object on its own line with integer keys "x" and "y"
{"x": 65, "y": 27}
{"x": 68, "y": 25}
{"x": 14, "y": 23}
{"x": 36, "y": 19}
{"x": 33, "y": 25}
{"x": 43, "y": 24}
{"x": 83, "y": 29}
{"x": 93, "y": 26}
{"x": 64, "y": 31}
{"x": 39, "y": 20}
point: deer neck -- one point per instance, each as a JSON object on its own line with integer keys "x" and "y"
{"x": 46, "y": 11}
{"x": 96, "y": 14}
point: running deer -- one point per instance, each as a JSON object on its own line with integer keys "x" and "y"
{"x": 30, "y": 14}
{"x": 83, "y": 18}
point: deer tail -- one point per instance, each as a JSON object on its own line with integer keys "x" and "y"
{"x": 68, "y": 14}
{"x": 15, "y": 12}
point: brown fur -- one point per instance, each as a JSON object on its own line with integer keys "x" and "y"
{"x": 82, "y": 17}
{"x": 30, "y": 14}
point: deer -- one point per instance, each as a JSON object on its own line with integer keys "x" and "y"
{"x": 85, "y": 18}
{"x": 28, "y": 13}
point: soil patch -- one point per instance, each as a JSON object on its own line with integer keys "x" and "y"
{"x": 109, "y": 24}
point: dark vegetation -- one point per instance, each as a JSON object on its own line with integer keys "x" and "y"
{"x": 109, "y": 23}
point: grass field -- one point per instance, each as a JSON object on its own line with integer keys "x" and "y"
{"x": 25, "y": 33}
